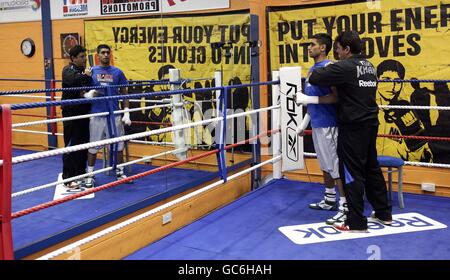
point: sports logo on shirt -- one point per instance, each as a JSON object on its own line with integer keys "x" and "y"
{"x": 105, "y": 78}
{"x": 367, "y": 83}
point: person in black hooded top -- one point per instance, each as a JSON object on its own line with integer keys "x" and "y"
{"x": 355, "y": 79}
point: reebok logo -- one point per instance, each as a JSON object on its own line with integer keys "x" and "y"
{"x": 320, "y": 232}
{"x": 367, "y": 83}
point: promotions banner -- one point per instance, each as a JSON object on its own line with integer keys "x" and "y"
{"x": 145, "y": 49}
{"x": 64, "y": 9}
{"x": 404, "y": 39}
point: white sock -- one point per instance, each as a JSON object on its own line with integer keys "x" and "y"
{"x": 119, "y": 170}
{"x": 342, "y": 202}
{"x": 90, "y": 169}
{"x": 330, "y": 194}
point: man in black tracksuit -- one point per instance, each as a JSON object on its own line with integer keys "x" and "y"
{"x": 75, "y": 131}
{"x": 355, "y": 79}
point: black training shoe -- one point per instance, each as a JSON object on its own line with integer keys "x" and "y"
{"x": 384, "y": 222}
{"x": 71, "y": 185}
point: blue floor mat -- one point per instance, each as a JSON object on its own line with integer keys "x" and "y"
{"x": 247, "y": 229}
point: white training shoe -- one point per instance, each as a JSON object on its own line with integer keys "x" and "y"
{"x": 121, "y": 175}
{"x": 324, "y": 205}
{"x": 340, "y": 218}
{"x": 89, "y": 182}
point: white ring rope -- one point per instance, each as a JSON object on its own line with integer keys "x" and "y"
{"x": 153, "y": 143}
{"x": 166, "y": 144}
{"x": 202, "y": 101}
{"x": 80, "y": 147}
{"x": 38, "y": 188}
{"x": 411, "y": 163}
{"x": 427, "y": 164}
{"x": 164, "y": 101}
{"x": 37, "y": 132}
{"x": 86, "y": 116}
{"x": 444, "y": 108}
{"x": 128, "y": 222}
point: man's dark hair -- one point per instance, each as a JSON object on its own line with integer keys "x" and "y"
{"x": 324, "y": 39}
{"x": 164, "y": 70}
{"x": 103, "y": 46}
{"x": 391, "y": 65}
{"x": 350, "y": 39}
{"x": 76, "y": 50}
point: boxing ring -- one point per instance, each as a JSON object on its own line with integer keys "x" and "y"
{"x": 127, "y": 213}
{"x": 177, "y": 186}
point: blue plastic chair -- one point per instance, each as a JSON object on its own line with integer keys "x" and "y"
{"x": 390, "y": 163}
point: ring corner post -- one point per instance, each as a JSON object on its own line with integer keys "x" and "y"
{"x": 6, "y": 243}
{"x": 276, "y": 135}
{"x": 49, "y": 70}
{"x": 255, "y": 92}
{"x": 220, "y": 144}
{"x": 178, "y": 136}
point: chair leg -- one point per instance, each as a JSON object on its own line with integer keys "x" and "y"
{"x": 390, "y": 183}
{"x": 400, "y": 187}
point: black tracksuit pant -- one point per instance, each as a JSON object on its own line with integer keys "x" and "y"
{"x": 360, "y": 172}
{"x": 75, "y": 132}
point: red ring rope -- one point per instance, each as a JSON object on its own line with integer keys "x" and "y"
{"x": 431, "y": 138}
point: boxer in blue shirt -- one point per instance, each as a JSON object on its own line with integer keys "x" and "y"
{"x": 106, "y": 75}
{"x": 324, "y": 132}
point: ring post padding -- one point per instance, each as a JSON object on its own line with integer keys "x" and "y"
{"x": 218, "y": 83}
{"x": 6, "y": 243}
{"x": 291, "y": 117}
{"x": 276, "y": 136}
{"x": 177, "y": 115}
